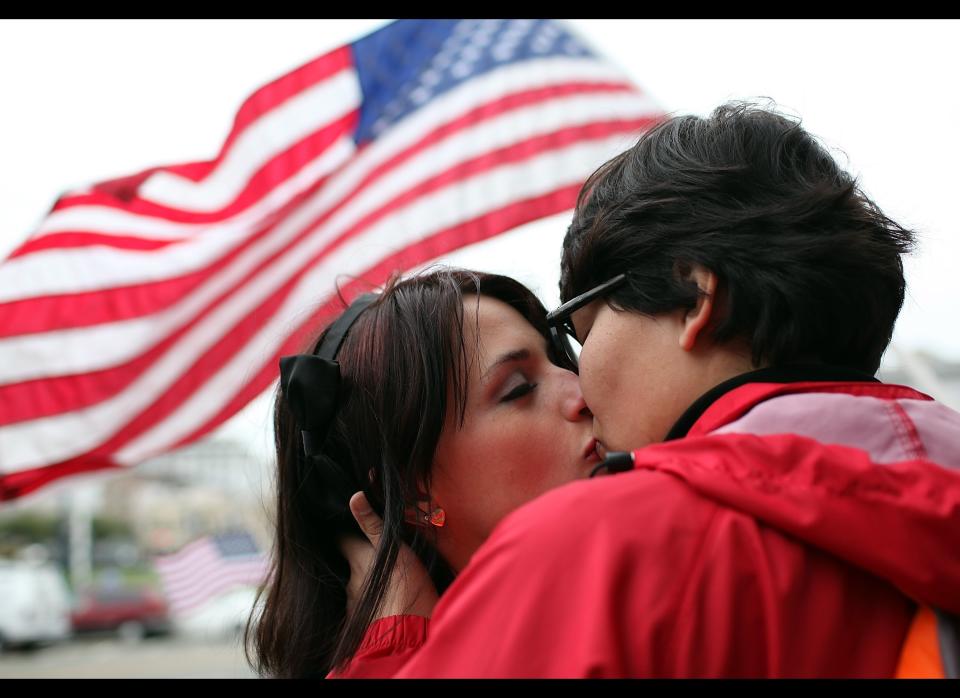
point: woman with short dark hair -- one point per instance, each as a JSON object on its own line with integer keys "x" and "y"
{"x": 810, "y": 269}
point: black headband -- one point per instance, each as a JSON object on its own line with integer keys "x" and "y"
{"x": 311, "y": 382}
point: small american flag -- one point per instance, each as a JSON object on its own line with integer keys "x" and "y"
{"x": 147, "y": 310}
{"x": 208, "y": 567}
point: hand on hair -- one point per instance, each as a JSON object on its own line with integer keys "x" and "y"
{"x": 411, "y": 590}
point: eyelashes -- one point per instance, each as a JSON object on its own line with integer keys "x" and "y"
{"x": 518, "y": 392}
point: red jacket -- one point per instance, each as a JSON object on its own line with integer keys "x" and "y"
{"x": 790, "y": 533}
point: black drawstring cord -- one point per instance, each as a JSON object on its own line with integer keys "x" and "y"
{"x": 616, "y": 462}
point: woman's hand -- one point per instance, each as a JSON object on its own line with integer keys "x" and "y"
{"x": 410, "y": 590}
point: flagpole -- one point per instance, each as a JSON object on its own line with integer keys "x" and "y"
{"x": 80, "y": 537}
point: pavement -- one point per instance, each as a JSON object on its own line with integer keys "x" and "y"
{"x": 154, "y": 657}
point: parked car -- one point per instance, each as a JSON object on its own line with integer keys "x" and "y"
{"x": 131, "y": 613}
{"x": 34, "y": 604}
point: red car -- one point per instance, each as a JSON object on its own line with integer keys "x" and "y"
{"x": 130, "y": 612}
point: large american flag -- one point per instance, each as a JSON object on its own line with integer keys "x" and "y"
{"x": 145, "y": 311}
{"x": 208, "y": 567}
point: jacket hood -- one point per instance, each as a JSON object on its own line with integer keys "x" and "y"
{"x": 866, "y": 471}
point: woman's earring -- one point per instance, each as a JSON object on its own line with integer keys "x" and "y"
{"x": 437, "y": 517}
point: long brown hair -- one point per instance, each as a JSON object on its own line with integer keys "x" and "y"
{"x": 403, "y": 357}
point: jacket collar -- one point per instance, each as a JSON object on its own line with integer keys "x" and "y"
{"x": 798, "y": 373}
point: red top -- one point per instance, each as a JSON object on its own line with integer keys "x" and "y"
{"x": 789, "y": 534}
{"x": 388, "y": 644}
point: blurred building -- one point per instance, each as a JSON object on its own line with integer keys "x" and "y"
{"x": 208, "y": 487}
{"x": 928, "y": 373}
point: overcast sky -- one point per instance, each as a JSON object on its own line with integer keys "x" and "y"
{"x": 90, "y": 100}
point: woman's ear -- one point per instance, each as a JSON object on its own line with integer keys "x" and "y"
{"x": 413, "y": 515}
{"x": 417, "y": 513}
{"x": 699, "y": 316}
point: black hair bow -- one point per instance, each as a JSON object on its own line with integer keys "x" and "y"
{"x": 311, "y": 382}
{"x": 310, "y": 385}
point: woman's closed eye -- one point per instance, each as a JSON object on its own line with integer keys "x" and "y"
{"x": 518, "y": 392}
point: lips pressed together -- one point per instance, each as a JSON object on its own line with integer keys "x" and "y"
{"x": 591, "y": 452}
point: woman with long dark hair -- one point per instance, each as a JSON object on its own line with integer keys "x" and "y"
{"x": 440, "y": 400}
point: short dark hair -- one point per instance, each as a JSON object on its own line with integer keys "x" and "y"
{"x": 809, "y": 267}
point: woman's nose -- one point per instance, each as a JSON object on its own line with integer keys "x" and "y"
{"x": 573, "y": 406}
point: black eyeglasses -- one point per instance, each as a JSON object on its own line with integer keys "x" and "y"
{"x": 561, "y": 324}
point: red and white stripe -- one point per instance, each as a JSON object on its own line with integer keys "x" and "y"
{"x": 111, "y": 353}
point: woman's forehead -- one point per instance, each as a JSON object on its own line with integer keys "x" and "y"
{"x": 491, "y": 329}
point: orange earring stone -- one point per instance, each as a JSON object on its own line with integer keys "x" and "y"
{"x": 437, "y": 518}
